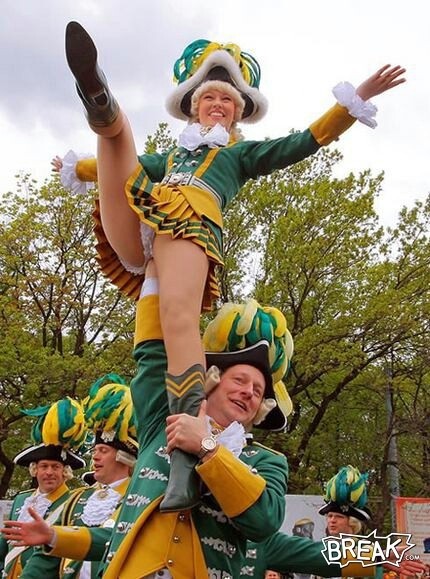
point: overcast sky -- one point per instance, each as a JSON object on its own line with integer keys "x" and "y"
{"x": 304, "y": 48}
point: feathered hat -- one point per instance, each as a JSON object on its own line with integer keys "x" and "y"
{"x": 255, "y": 335}
{"x": 110, "y": 414}
{"x": 59, "y": 430}
{"x": 202, "y": 61}
{"x": 346, "y": 493}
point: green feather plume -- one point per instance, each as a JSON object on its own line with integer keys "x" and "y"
{"x": 61, "y": 423}
{"x": 348, "y": 487}
{"x": 109, "y": 407}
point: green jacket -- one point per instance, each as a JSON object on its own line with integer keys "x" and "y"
{"x": 44, "y": 565}
{"x": 12, "y": 565}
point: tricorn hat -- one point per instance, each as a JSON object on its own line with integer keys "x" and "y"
{"x": 58, "y": 432}
{"x": 202, "y": 61}
{"x": 346, "y": 494}
{"x": 255, "y": 335}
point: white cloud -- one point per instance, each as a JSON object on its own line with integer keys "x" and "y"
{"x": 303, "y": 48}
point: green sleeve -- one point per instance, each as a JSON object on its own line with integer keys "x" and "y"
{"x": 99, "y": 537}
{"x": 287, "y": 554}
{"x": 41, "y": 565}
{"x": 270, "y": 507}
{"x": 264, "y": 157}
{"x": 148, "y": 388}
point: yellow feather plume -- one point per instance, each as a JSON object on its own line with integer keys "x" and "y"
{"x": 283, "y": 398}
{"x": 248, "y": 313}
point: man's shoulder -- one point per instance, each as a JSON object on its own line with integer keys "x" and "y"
{"x": 22, "y": 495}
{"x": 257, "y": 445}
{"x": 81, "y": 491}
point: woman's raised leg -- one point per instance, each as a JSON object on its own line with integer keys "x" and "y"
{"x": 116, "y": 154}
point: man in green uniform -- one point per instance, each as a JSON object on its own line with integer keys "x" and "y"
{"x": 50, "y": 462}
{"x": 109, "y": 415}
{"x": 346, "y": 512}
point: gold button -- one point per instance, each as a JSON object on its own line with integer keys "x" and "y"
{"x": 170, "y": 562}
{"x": 176, "y": 539}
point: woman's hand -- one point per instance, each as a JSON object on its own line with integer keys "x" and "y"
{"x": 384, "y": 79}
{"x": 57, "y": 164}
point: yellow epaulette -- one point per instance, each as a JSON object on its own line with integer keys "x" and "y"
{"x": 255, "y": 443}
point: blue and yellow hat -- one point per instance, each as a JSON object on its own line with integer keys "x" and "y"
{"x": 59, "y": 431}
{"x": 202, "y": 61}
{"x": 255, "y": 335}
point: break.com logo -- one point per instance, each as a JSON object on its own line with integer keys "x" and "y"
{"x": 368, "y": 550}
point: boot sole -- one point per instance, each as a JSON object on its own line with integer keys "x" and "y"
{"x": 81, "y": 55}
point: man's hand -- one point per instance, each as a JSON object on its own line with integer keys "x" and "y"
{"x": 36, "y": 532}
{"x": 186, "y": 432}
{"x": 406, "y": 567}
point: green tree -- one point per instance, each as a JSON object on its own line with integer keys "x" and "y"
{"x": 351, "y": 302}
{"x": 62, "y": 324}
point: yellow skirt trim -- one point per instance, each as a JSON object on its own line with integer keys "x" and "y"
{"x": 184, "y": 212}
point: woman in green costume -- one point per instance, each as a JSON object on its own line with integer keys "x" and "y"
{"x": 169, "y": 207}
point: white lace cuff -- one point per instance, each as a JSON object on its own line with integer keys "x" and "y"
{"x": 364, "y": 111}
{"x": 68, "y": 176}
{"x": 233, "y": 438}
{"x": 53, "y": 542}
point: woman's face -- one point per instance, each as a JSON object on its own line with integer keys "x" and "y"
{"x": 216, "y": 107}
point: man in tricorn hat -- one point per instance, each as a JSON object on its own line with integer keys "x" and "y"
{"x": 111, "y": 423}
{"x": 346, "y": 511}
{"x": 60, "y": 428}
{"x": 345, "y": 506}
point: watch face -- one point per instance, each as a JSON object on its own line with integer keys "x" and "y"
{"x": 208, "y": 443}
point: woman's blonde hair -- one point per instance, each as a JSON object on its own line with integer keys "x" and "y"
{"x": 224, "y": 87}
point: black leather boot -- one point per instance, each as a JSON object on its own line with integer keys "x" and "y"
{"x": 81, "y": 53}
{"x": 185, "y": 394}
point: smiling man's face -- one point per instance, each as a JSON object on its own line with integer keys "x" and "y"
{"x": 238, "y": 396}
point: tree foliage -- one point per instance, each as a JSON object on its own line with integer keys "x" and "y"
{"x": 62, "y": 324}
{"x": 356, "y": 299}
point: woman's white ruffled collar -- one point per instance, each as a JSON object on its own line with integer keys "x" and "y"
{"x": 195, "y": 135}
